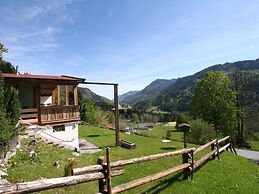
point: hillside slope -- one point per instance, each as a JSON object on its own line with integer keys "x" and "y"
{"x": 126, "y": 95}
{"x": 178, "y": 96}
{"x": 88, "y": 94}
{"x": 149, "y": 92}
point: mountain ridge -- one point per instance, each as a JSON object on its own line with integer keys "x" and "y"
{"x": 149, "y": 92}
{"x": 177, "y": 95}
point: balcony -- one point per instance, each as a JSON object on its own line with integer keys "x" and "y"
{"x": 50, "y": 115}
{"x": 57, "y": 114}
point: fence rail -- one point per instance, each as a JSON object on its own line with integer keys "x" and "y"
{"x": 103, "y": 171}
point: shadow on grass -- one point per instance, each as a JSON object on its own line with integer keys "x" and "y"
{"x": 110, "y": 146}
{"x": 164, "y": 184}
{"x": 160, "y": 186}
{"x": 168, "y": 148}
{"x": 93, "y": 135}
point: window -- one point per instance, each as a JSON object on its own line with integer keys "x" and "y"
{"x": 58, "y": 128}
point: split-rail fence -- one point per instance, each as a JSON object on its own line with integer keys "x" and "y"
{"x": 103, "y": 170}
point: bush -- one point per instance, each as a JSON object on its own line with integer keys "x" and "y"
{"x": 12, "y": 105}
{"x": 72, "y": 163}
{"x": 201, "y": 132}
{"x": 183, "y": 118}
{"x": 7, "y": 131}
{"x": 9, "y": 114}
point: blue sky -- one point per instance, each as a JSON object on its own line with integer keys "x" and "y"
{"x": 130, "y": 42}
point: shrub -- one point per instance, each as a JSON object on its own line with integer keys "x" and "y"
{"x": 183, "y": 117}
{"x": 9, "y": 114}
{"x": 72, "y": 163}
{"x": 201, "y": 132}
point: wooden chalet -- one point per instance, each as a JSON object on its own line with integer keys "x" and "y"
{"x": 45, "y": 99}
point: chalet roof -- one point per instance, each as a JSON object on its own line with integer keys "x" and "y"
{"x": 30, "y": 77}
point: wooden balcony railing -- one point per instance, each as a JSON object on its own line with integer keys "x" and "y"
{"x": 58, "y": 114}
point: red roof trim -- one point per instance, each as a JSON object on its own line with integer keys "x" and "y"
{"x": 41, "y": 77}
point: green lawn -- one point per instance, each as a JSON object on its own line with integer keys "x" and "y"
{"x": 160, "y": 131}
{"x": 254, "y": 145}
{"x": 232, "y": 174}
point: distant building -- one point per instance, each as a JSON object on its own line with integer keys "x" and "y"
{"x": 145, "y": 126}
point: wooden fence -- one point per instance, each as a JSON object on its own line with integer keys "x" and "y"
{"x": 103, "y": 170}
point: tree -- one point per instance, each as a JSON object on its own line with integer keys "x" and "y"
{"x": 202, "y": 132}
{"x": 9, "y": 113}
{"x": 214, "y": 102}
{"x": 5, "y": 67}
{"x": 245, "y": 98}
{"x": 2, "y": 50}
{"x": 12, "y": 105}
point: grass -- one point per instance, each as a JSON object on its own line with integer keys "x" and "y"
{"x": 232, "y": 174}
{"x": 160, "y": 131}
{"x": 254, "y": 145}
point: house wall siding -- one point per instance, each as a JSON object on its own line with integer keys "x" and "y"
{"x": 69, "y": 137}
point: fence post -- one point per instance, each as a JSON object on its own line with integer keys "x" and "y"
{"x": 231, "y": 146}
{"x": 212, "y": 149}
{"x": 108, "y": 177}
{"x": 217, "y": 147}
{"x": 186, "y": 172}
{"x": 101, "y": 182}
{"x": 192, "y": 157}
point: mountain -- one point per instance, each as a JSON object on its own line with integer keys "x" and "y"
{"x": 126, "y": 95}
{"x": 88, "y": 94}
{"x": 176, "y": 94}
{"x": 148, "y": 93}
{"x": 177, "y": 97}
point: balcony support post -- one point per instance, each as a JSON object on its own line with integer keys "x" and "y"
{"x": 67, "y": 95}
{"x": 58, "y": 87}
{"x": 75, "y": 95}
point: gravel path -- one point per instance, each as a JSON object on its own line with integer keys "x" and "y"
{"x": 87, "y": 147}
{"x": 248, "y": 154}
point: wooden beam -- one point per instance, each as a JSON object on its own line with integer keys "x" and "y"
{"x": 223, "y": 139}
{"x": 99, "y": 83}
{"x": 67, "y": 95}
{"x": 116, "y": 115}
{"x": 53, "y": 97}
{"x": 150, "y": 178}
{"x": 58, "y": 87}
{"x": 92, "y": 168}
{"x": 204, "y": 146}
{"x": 45, "y": 184}
{"x": 151, "y": 157}
{"x": 87, "y": 169}
{"x": 28, "y": 110}
{"x": 224, "y": 147}
{"x": 109, "y": 172}
{"x": 204, "y": 159}
{"x": 186, "y": 171}
{"x": 101, "y": 182}
{"x": 75, "y": 95}
{"x": 38, "y": 102}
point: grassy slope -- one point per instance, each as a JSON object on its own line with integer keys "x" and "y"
{"x": 254, "y": 143}
{"x": 160, "y": 131}
{"x": 232, "y": 173}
